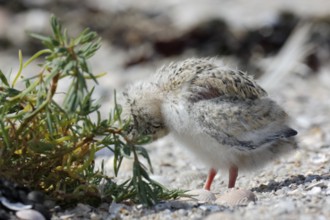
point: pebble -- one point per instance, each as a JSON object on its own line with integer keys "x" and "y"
{"x": 36, "y": 197}
{"x": 315, "y": 191}
{"x": 116, "y": 209}
{"x": 211, "y": 208}
{"x": 161, "y": 206}
{"x": 95, "y": 216}
{"x": 182, "y": 212}
{"x": 237, "y": 197}
{"x": 312, "y": 178}
{"x": 30, "y": 214}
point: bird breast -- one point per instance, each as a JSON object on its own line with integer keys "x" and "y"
{"x": 187, "y": 132}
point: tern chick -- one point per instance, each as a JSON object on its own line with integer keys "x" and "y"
{"x": 220, "y": 114}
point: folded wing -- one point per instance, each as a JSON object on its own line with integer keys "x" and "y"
{"x": 234, "y": 110}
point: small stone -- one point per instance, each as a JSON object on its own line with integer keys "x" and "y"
{"x": 312, "y": 177}
{"x": 211, "y": 208}
{"x": 30, "y": 214}
{"x": 315, "y": 191}
{"x": 36, "y": 197}
{"x": 140, "y": 206}
{"x": 178, "y": 204}
{"x": 95, "y": 216}
{"x": 182, "y": 212}
{"x": 116, "y": 208}
{"x": 202, "y": 195}
{"x": 160, "y": 206}
{"x": 237, "y": 197}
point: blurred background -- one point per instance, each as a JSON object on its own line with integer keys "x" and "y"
{"x": 284, "y": 44}
{"x": 148, "y": 32}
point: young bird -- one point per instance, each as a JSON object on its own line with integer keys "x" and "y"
{"x": 221, "y": 114}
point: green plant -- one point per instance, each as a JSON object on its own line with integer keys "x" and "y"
{"x": 51, "y": 146}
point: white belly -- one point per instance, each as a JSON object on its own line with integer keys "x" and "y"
{"x": 191, "y": 135}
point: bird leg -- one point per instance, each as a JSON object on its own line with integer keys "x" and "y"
{"x": 233, "y": 172}
{"x": 210, "y": 177}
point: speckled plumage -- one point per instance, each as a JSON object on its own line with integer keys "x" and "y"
{"x": 221, "y": 114}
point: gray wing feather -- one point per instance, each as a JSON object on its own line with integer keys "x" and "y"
{"x": 220, "y": 82}
{"x": 245, "y": 125}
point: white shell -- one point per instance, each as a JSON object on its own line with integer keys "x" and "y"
{"x": 30, "y": 214}
{"x": 202, "y": 195}
{"x": 16, "y": 206}
{"x": 237, "y": 197}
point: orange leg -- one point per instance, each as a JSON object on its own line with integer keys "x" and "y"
{"x": 233, "y": 172}
{"x": 210, "y": 178}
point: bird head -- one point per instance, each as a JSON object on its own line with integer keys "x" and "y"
{"x": 141, "y": 109}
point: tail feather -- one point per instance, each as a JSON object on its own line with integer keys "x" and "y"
{"x": 288, "y": 132}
